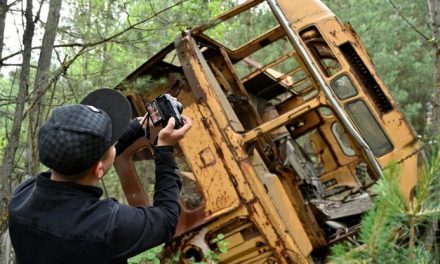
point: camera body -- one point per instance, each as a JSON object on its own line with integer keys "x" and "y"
{"x": 162, "y": 108}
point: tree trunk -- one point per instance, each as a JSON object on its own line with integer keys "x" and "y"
{"x": 434, "y": 23}
{"x": 107, "y": 18}
{"x": 3, "y": 10}
{"x": 88, "y": 27}
{"x": 40, "y": 84}
{"x": 7, "y": 174}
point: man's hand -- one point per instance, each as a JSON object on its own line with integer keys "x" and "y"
{"x": 169, "y": 136}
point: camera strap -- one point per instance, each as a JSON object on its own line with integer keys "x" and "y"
{"x": 147, "y": 130}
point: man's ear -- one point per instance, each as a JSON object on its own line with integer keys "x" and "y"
{"x": 98, "y": 170}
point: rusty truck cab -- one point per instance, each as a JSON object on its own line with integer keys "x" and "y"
{"x": 291, "y": 127}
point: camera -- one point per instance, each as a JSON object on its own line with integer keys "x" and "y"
{"x": 162, "y": 108}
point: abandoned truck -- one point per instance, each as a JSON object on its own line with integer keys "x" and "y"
{"x": 292, "y": 126}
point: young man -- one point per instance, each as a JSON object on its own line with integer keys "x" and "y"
{"x": 58, "y": 217}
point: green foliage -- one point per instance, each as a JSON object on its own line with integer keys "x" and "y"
{"x": 112, "y": 186}
{"x": 109, "y": 62}
{"x": 145, "y": 83}
{"x": 209, "y": 257}
{"x": 147, "y": 257}
{"x": 244, "y": 27}
{"x": 221, "y": 244}
{"x": 396, "y": 230}
{"x": 212, "y": 256}
{"x": 8, "y": 99}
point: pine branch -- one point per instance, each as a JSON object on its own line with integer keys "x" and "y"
{"x": 426, "y": 213}
{"x": 412, "y": 235}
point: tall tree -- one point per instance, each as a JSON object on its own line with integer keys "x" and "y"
{"x": 3, "y": 9}
{"x": 7, "y": 173}
{"x": 394, "y": 231}
{"x": 41, "y": 78}
{"x": 434, "y": 23}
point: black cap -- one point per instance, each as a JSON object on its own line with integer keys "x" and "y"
{"x": 76, "y": 136}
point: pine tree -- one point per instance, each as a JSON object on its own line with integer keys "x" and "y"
{"x": 396, "y": 230}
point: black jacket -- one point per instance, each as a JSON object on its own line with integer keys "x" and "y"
{"x": 61, "y": 222}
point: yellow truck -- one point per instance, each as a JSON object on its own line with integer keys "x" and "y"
{"x": 292, "y": 125}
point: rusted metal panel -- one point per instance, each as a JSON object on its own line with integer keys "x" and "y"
{"x": 304, "y": 12}
{"x": 265, "y": 215}
{"x": 287, "y": 212}
{"x": 207, "y": 164}
{"x": 279, "y": 121}
{"x": 186, "y": 56}
{"x": 261, "y": 211}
